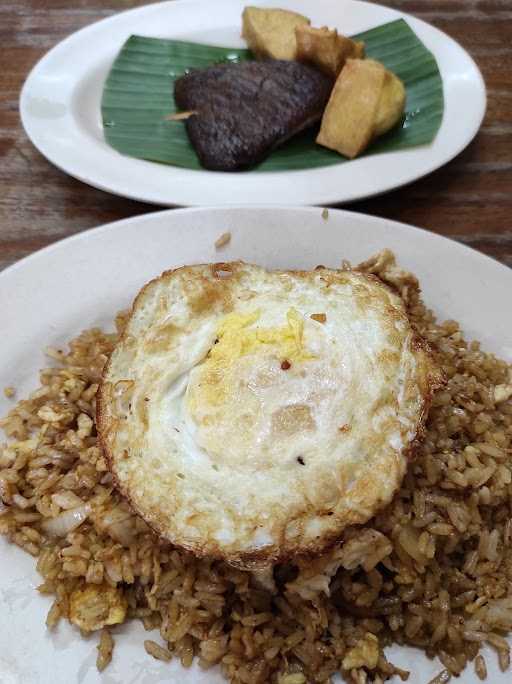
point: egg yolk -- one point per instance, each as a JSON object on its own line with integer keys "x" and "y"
{"x": 237, "y": 337}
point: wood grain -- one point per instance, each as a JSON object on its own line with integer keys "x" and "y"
{"x": 470, "y": 199}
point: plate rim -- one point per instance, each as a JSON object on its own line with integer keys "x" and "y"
{"x": 119, "y": 188}
{"x": 170, "y": 212}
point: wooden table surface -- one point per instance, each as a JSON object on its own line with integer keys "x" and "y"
{"x": 470, "y": 199}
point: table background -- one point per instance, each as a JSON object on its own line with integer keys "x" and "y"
{"x": 470, "y": 199}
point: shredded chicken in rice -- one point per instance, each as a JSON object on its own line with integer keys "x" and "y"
{"x": 433, "y": 570}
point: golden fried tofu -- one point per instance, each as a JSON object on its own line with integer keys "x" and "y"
{"x": 367, "y": 100}
{"x": 391, "y": 104}
{"x": 95, "y": 606}
{"x": 326, "y": 49}
{"x": 271, "y": 32}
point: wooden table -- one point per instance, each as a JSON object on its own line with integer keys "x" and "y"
{"x": 470, "y": 199}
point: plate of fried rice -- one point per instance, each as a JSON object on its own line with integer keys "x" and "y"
{"x": 88, "y": 592}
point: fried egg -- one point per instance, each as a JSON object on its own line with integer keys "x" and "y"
{"x": 252, "y": 415}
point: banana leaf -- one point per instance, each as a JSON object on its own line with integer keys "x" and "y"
{"x": 138, "y": 98}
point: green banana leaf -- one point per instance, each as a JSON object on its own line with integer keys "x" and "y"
{"x": 138, "y": 96}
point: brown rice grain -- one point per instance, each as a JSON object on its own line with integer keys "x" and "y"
{"x": 480, "y": 667}
{"x": 222, "y": 240}
{"x": 105, "y": 649}
{"x": 158, "y": 652}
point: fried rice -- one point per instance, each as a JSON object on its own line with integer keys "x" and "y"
{"x": 432, "y": 570}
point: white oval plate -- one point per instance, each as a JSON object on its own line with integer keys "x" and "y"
{"x": 81, "y": 282}
{"x": 60, "y": 110}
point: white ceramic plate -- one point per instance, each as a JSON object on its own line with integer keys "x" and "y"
{"x": 80, "y": 282}
{"x": 60, "y": 110}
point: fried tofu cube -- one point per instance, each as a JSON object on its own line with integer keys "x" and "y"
{"x": 271, "y": 32}
{"x": 367, "y": 101}
{"x": 391, "y": 104}
{"x": 325, "y": 48}
{"x": 96, "y": 606}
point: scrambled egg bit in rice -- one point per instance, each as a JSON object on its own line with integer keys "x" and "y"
{"x": 252, "y": 415}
